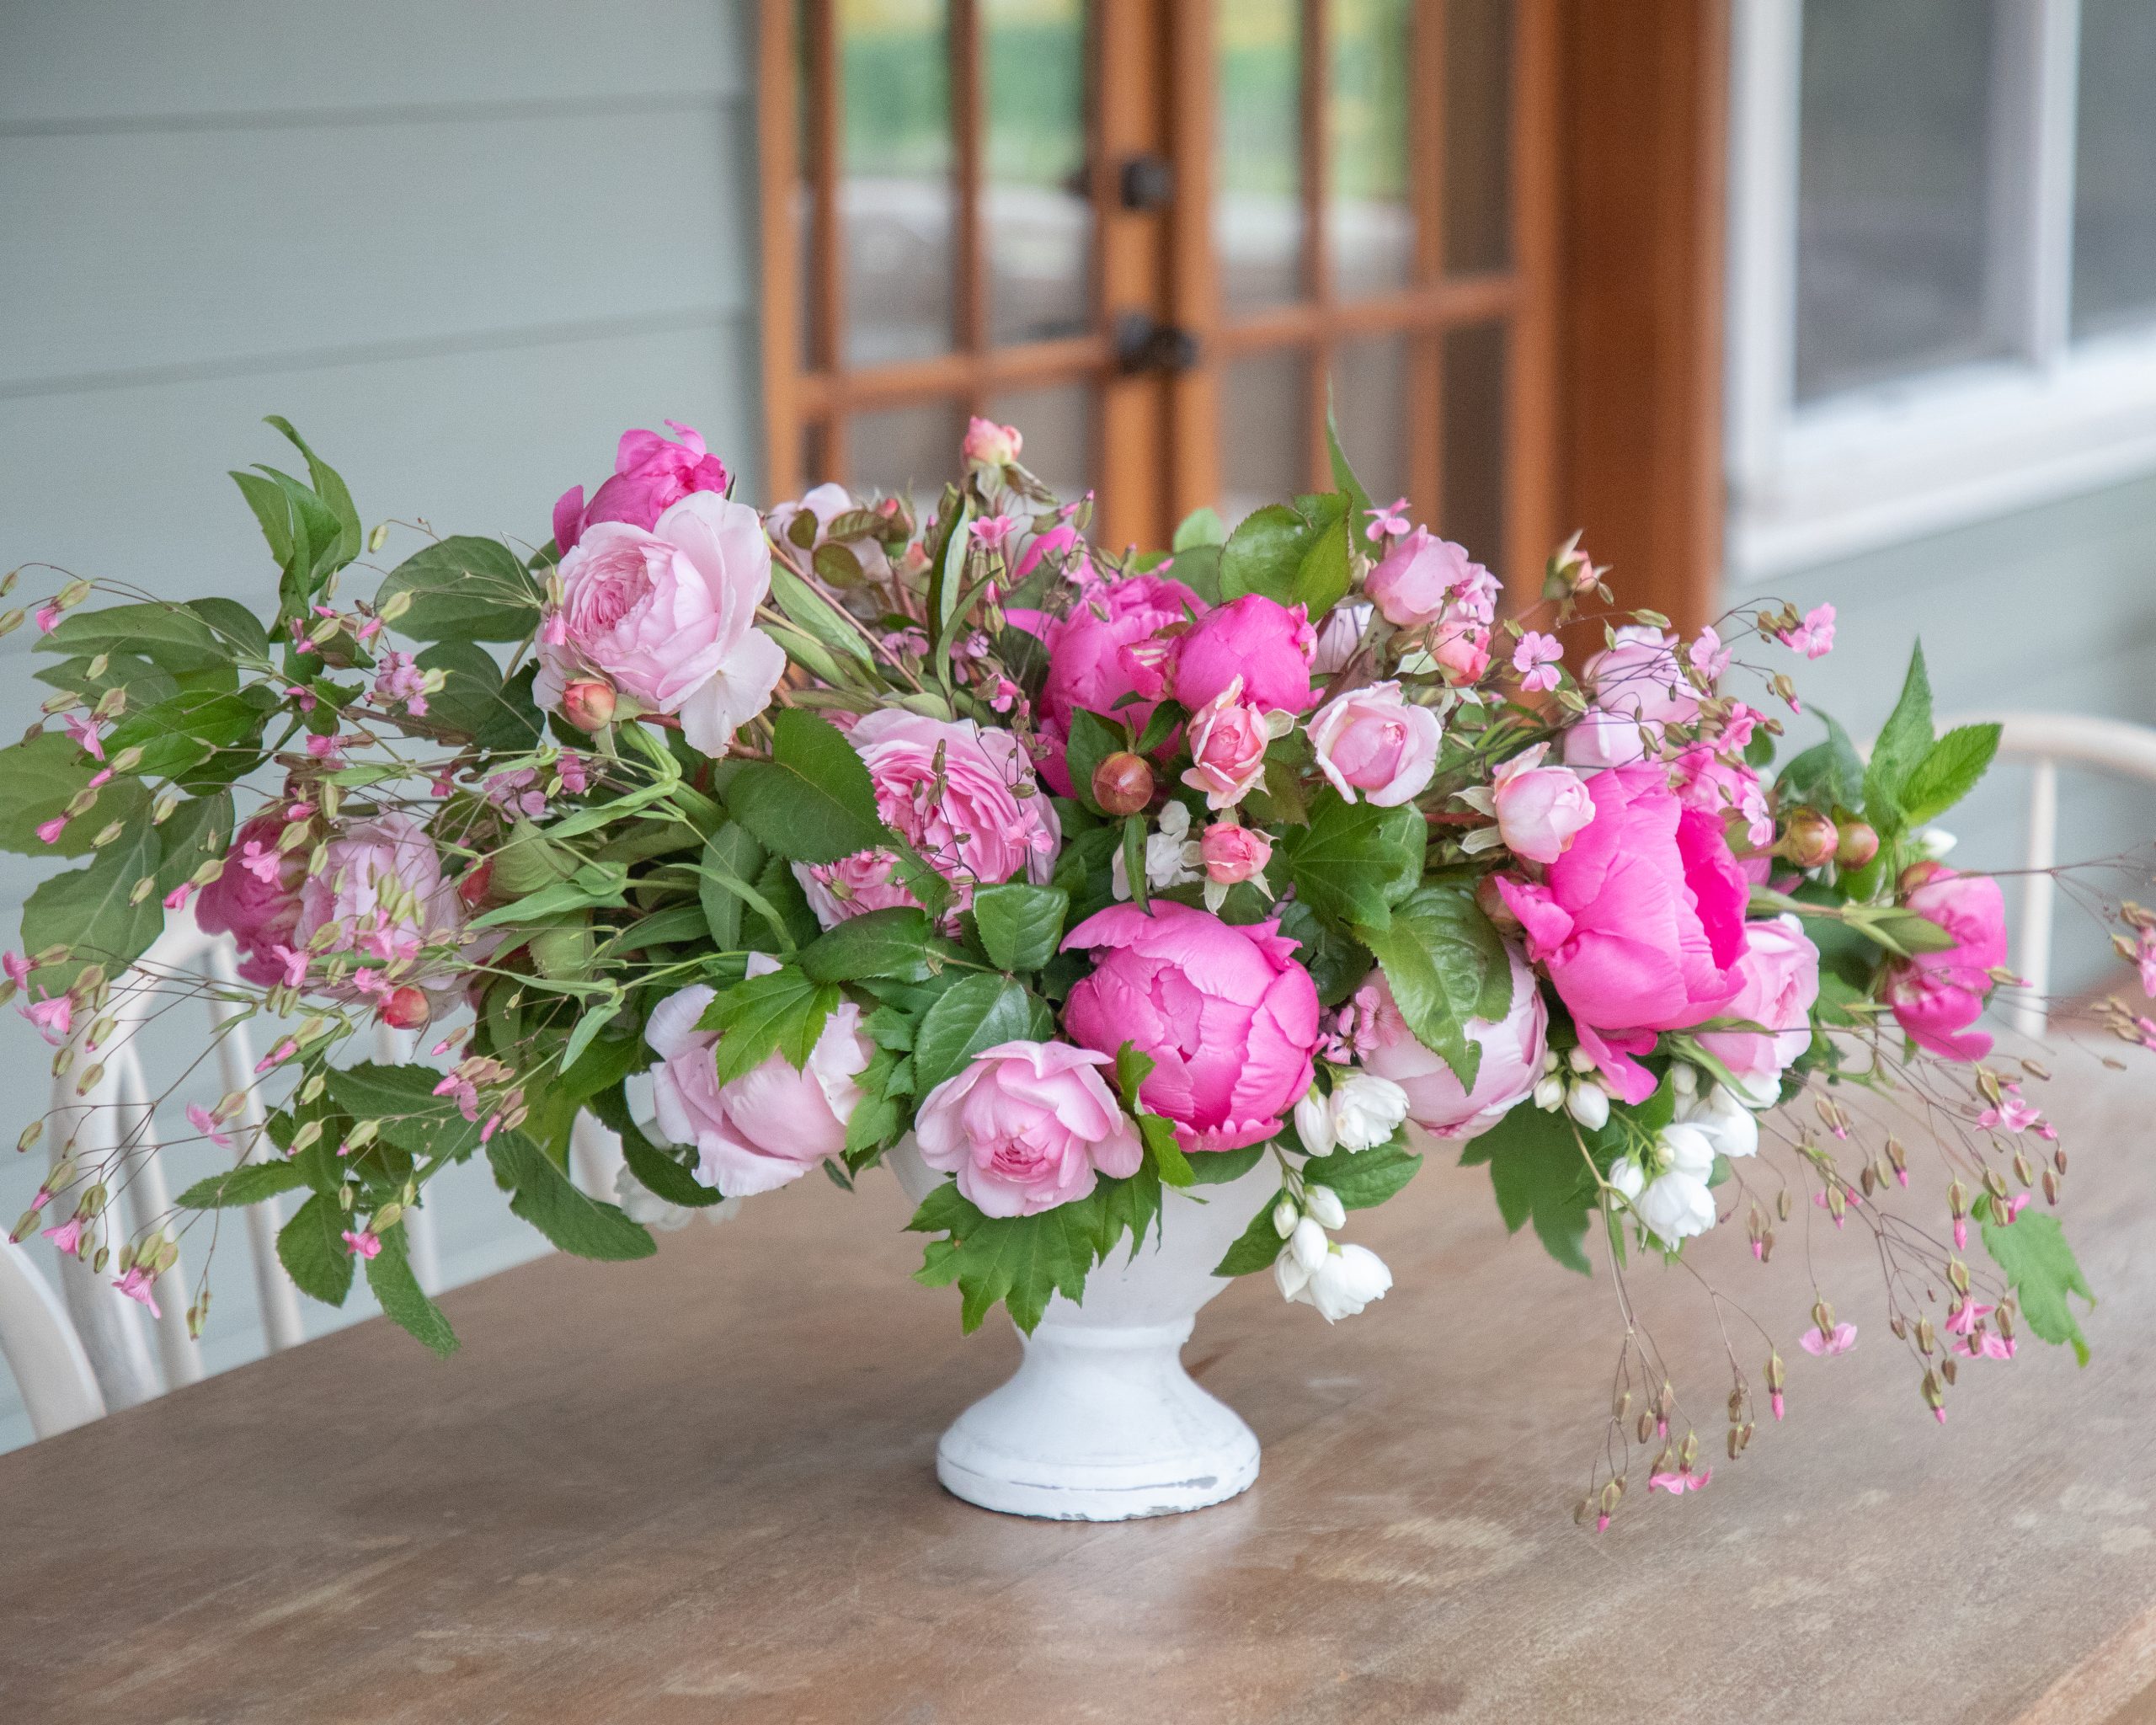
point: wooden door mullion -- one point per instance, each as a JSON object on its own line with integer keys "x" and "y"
{"x": 786, "y": 343}
{"x": 970, "y": 324}
{"x": 1192, "y": 454}
{"x": 828, "y": 352}
{"x": 1426, "y": 155}
{"x": 1317, "y": 241}
{"x": 1530, "y": 386}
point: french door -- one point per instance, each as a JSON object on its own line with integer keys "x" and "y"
{"x": 1157, "y": 235}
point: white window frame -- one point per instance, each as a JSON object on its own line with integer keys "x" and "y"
{"x": 1891, "y": 461}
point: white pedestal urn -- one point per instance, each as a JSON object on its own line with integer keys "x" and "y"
{"x": 1101, "y": 1422}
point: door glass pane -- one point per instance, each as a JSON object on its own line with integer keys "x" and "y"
{"x": 909, "y": 452}
{"x": 1369, "y": 225}
{"x": 1478, "y": 117}
{"x": 2115, "y": 169}
{"x": 1264, "y": 432}
{"x": 1369, "y": 404}
{"x": 1057, "y": 424}
{"x": 1257, "y": 202}
{"x": 1471, "y": 510}
{"x": 1037, "y": 216}
{"x": 894, "y": 193}
{"x": 1893, "y": 191}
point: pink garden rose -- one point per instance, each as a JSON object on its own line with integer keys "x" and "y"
{"x": 1639, "y": 925}
{"x": 1228, "y": 739}
{"x": 1338, "y": 636}
{"x": 1778, "y": 982}
{"x": 1233, "y": 853}
{"x": 1093, "y": 656}
{"x": 1512, "y": 1060}
{"x": 1937, "y": 996}
{"x": 1540, "y": 810}
{"x": 256, "y": 900}
{"x": 1266, "y": 644}
{"x": 771, "y": 1124}
{"x": 651, "y": 475}
{"x": 1704, "y": 779}
{"x": 1027, "y": 1126}
{"x": 381, "y": 888}
{"x": 668, "y": 617}
{"x": 1637, "y": 685}
{"x": 1227, "y": 1015}
{"x": 1373, "y": 741}
{"x": 975, "y": 829}
{"x": 1424, "y": 578}
{"x": 1462, "y": 650}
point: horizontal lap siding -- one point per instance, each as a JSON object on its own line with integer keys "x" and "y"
{"x": 460, "y": 246}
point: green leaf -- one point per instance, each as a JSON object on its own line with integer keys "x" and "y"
{"x": 1133, "y": 861}
{"x": 1827, "y": 775}
{"x": 93, "y": 912}
{"x": 2032, "y": 1253}
{"x": 1336, "y": 965}
{"x": 1354, "y": 861}
{"x": 946, "y": 582}
{"x": 1020, "y": 925}
{"x": 464, "y": 589}
{"x": 659, "y": 1172}
{"x": 1949, "y": 772}
{"x": 178, "y": 736}
{"x": 1200, "y": 526}
{"x": 1343, "y": 472}
{"x": 1447, "y": 965}
{"x": 587, "y": 1027}
{"x": 1217, "y": 1167}
{"x": 1362, "y": 1179}
{"x": 40, "y": 776}
{"x": 1198, "y": 567}
{"x": 875, "y": 1120}
{"x": 1538, "y": 1175}
{"x": 239, "y": 631}
{"x": 1902, "y": 743}
{"x": 329, "y": 486}
{"x": 175, "y": 638}
{"x": 732, "y": 858}
{"x": 1023, "y": 1261}
{"x": 403, "y": 1300}
{"x": 1296, "y": 554}
{"x": 894, "y": 943}
{"x": 542, "y": 1195}
{"x": 250, "y": 1183}
{"x": 1256, "y": 1245}
{"x": 1169, "y": 1161}
{"x": 200, "y": 829}
{"x": 781, "y": 1012}
{"x": 146, "y": 684}
{"x": 812, "y": 801}
{"x": 311, "y": 1246}
{"x": 411, "y": 1116}
{"x": 977, "y": 1013}
{"x": 1092, "y": 740}
{"x": 817, "y": 617}
{"x": 596, "y": 884}
{"x": 779, "y": 888}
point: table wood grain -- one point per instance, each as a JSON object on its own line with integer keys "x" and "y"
{"x": 700, "y": 1488}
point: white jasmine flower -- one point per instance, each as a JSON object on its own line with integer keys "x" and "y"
{"x": 1367, "y": 1110}
{"x": 1173, "y": 857}
{"x": 1308, "y": 1245}
{"x": 1720, "y": 1113}
{"x": 1313, "y": 1123}
{"x": 1669, "y": 1195}
{"x": 1350, "y": 1278}
{"x": 1588, "y": 1104}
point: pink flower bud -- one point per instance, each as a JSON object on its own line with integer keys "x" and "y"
{"x": 1234, "y": 854}
{"x": 1122, "y": 783}
{"x": 405, "y": 1008}
{"x": 589, "y": 704}
{"x": 1810, "y": 839}
{"x": 988, "y": 445}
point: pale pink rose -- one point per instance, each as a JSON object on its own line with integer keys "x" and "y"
{"x": 1027, "y": 1126}
{"x": 1424, "y": 578}
{"x": 1338, "y": 636}
{"x": 1637, "y": 685}
{"x": 988, "y": 445}
{"x": 1228, "y": 741}
{"x": 1778, "y": 982}
{"x": 1462, "y": 651}
{"x": 1539, "y": 809}
{"x": 1234, "y": 854}
{"x": 651, "y": 475}
{"x": 1704, "y": 779}
{"x": 369, "y": 869}
{"x": 668, "y": 617}
{"x": 983, "y": 821}
{"x": 771, "y": 1124}
{"x": 1511, "y": 1061}
{"x": 823, "y": 505}
{"x": 1267, "y": 645}
{"x": 256, "y": 900}
{"x": 1374, "y": 742}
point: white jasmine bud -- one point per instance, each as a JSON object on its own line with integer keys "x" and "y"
{"x": 1549, "y": 1093}
{"x": 1323, "y": 1205}
{"x": 1579, "y": 1060}
{"x": 1285, "y": 1215}
{"x": 1588, "y": 1104}
{"x": 1307, "y": 1244}
{"x": 1313, "y": 1123}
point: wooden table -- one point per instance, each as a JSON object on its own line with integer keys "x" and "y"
{"x": 700, "y": 1489}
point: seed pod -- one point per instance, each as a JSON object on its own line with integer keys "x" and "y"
{"x": 30, "y": 1134}
{"x": 1767, "y": 1246}
{"x": 1646, "y": 1426}
{"x": 1947, "y": 1369}
{"x": 1781, "y": 1203}
{"x": 143, "y": 889}
{"x": 2051, "y": 1186}
{"x": 2058, "y": 1161}
{"x": 1898, "y": 1156}
{"x": 1622, "y": 1405}
{"x": 1774, "y": 1371}
{"x": 387, "y": 1217}
{"x": 1734, "y": 1444}
{"x": 1868, "y": 1180}
{"x": 98, "y": 1262}
{"x": 1927, "y": 1338}
{"x": 1900, "y": 1326}
{"x": 1995, "y": 1183}
{"x": 88, "y": 1081}
{"x": 29, "y": 1221}
{"x": 1957, "y": 1276}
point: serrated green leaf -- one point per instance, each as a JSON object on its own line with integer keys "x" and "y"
{"x": 1354, "y": 861}
{"x": 1020, "y": 925}
{"x": 2032, "y": 1254}
{"x": 731, "y": 859}
{"x": 402, "y": 1099}
{"x": 403, "y": 1300}
{"x": 40, "y": 776}
{"x": 1538, "y": 1175}
{"x": 781, "y": 1012}
{"x": 311, "y": 1246}
{"x": 250, "y": 1183}
{"x": 1949, "y": 772}
{"x": 812, "y": 802}
{"x": 894, "y": 942}
{"x": 464, "y": 588}
{"x": 1257, "y": 1247}
{"x": 1903, "y": 742}
{"x": 979, "y": 1012}
{"x": 1092, "y": 739}
{"x": 1447, "y": 967}
{"x": 93, "y": 912}
{"x": 1366, "y": 1177}
{"x": 541, "y": 1194}
{"x": 1200, "y": 526}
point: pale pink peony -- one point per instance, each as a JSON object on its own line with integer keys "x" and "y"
{"x": 1229, "y": 1018}
{"x": 1096, "y": 654}
{"x": 1233, "y": 853}
{"x": 1372, "y": 742}
{"x": 668, "y": 617}
{"x": 1228, "y": 740}
{"x": 1423, "y": 578}
{"x": 1027, "y": 1126}
{"x": 771, "y": 1124}
{"x": 986, "y": 824}
{"x": 1267, "y": 645}
{"x": 1512, "y": 1059}
{"x": 256, "y": 900}
{"x": 651, "y": 475}
{"x": 1636, "y": 686}
{"x": 380, "y": 889}
{"x": 1338, "y": 636}
{"x": 1778, "y": 982}
{"x": 1937, "y": 996}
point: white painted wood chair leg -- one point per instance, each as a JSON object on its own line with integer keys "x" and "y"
{"x": 50, "y": 1368}
{"x": 281, "y": 1326}
{"x": 2033, "y": 966}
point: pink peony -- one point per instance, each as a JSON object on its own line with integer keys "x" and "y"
{"x": 771, "y": 1124}
{"x": 1228, "y": 740}
{"x": 1937, "y": 996}
{"x": 1512, "y": 1059}
{"x": 1540, "y": 810}
{"x": 1373, "y": 741}
{"x": 668, "y": 617}
{"x": 256, "y": 900}
{"x": 1027, "y": 1126}
{"x": 651, "y": 475}
{"x": 1424, "y": 578}
{"x": 1260, "y": 640}
{"x": 1778, "y": 981}
{"x": 381, "y": 888}
{"x": 1637, "y": 685}
{"x": 1092, "y": 658}
{"x": 1704, "y": 779}
{"x": 1233, "y": 853}
{"x": 1639, "y": 925}
{"x": 1228, "y": 1016}
{"x": 972, "y": 823}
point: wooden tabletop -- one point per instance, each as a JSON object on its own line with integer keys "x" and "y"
{"x": 700, "y": 1487}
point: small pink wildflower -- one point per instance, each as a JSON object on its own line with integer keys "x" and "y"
{"x": 203, "y": 1121}
{"x": 2019, "y": 1202}
{"x": 1737, "y": 729}
{"x": 295, "y": 964}
{"x": 1823, "y": 1342}
{"x": 300, "y": 639}
{"x": 399, "y": 678}
{"x": 1388, "y": 522}
{"x": 367, "y": 630}
{"x": 68, "y": 1238}
{"x": 54, "y": 1018}
{"x": 261, "y": 861}
{"x": 1987, "y": 1346}
{"x": 180, "y": 896}
{"x": 49, "y": 831}
{"x": 575, "y": 779}
{"x": 992, "y": 531}
{"x": 48, "y": 616}
{"x": 306, "y": 696}
{"x": 277, "y": 1055}
{"x": 17, "y": 968}
{"x": 492, "y": 1125}
{"x": 1965, "y": 1316}
{"x": 326, "y": 749}
{"x": 135, "y": 1284}
{"x": 518, "y": 791}
{"x": 363, "y": 1243}
{"x": 465, "y": 1092}
{"x": 85, "y": 731}
{"x": 1680, "y": 1480}
{"x": 1006, "y": 695}
{"x": 554, "y": 630}
{"x": 2012, "y": 1114}
{"x": 1536, "y": 659}
{"x": 1815, "y": 638}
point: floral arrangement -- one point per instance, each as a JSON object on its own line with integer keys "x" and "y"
{"x": 777, "y": 841}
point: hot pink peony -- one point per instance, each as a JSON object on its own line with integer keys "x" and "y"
{"x": 1229, "y": 1018}
{"x": 1372, "y": 742}
{"x": 982, "y": 823}
{"x": 256, "y": 900}
{"x": 1027, "y": 1126}
{"x": 1092, "y": 656}
{"x": 1424, "y": 578}
{"x": 1540, "y": 810}
{"x": 771, "y": 1124}
{"x": 1639, "y": 925}
{"x": 1265, "y": 643}
{"x": 1512, "y": 1060}
{"x": 651, "y": 475}
{"x": 668, "y": 617}
{"x": 1228, "y": 739}
{"x": 1778, "y": 981}
{"x": 1937, "y": 996}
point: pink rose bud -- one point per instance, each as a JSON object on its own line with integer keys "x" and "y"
{"x": 988, "y": 445}
{"x": 1539, "y": 809}
{"x": 588, "y": 704}
{"x": 1859, "y": 845}
{"x": 406, "y": 1008}
{"x": 1227, "y": 747}
{"x": 1462, "y": 651}
{"x": 1809, "y": 839}
{"x": 1372, "y": 742}
{"x": 1122, "y": 783}
{"x": 1234, "y": 854}
{"x": 473, "y": 887}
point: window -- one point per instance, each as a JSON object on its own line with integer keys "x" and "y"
{"x": 1150, "y": 233}
{"x": 1942, "y": 277}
